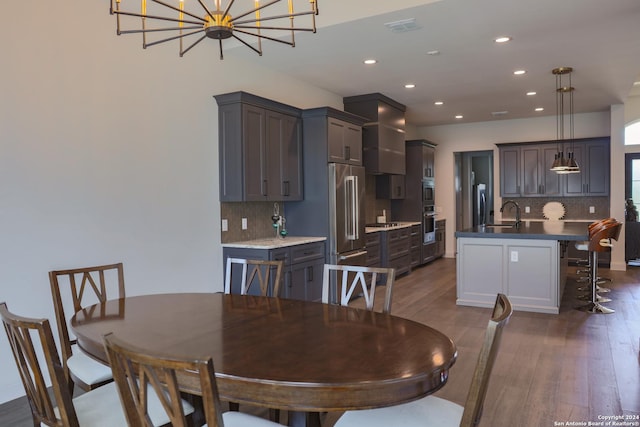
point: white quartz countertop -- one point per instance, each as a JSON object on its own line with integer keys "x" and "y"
{"x": 274, "y": 242}
{"x": 394, "y": 225}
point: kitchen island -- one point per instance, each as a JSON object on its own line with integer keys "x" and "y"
{"x": 528, "y": 263}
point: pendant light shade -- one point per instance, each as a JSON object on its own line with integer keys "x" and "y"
{"x": 562, "y": 164}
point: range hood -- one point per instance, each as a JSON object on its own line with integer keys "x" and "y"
{"x": 383, "y": 136}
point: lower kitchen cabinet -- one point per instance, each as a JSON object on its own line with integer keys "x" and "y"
{"x": 372, "y": 242}
{"x": 441, "y": 232}
{"x": 416, "y": 242}
{"x": 396, "y": 249}
{"x": 302, "y": 272}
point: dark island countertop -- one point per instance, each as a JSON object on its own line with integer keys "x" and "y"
{"x": 535, "y": 230}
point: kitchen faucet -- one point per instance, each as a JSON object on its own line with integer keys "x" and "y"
{"x": 517, "y": 210}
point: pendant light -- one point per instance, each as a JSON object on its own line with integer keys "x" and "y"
{"x": 561, "y": 164}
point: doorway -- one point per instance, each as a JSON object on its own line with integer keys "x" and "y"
{"x": 473, "y": 170}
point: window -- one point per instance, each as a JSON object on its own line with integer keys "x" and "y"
{"x": 632, "y": 134}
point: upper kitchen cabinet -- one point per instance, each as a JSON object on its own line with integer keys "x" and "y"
{"x": 260, "y": 148}
{"x": 525, "y": 169}
{"x": 510, "y": 171}
{"x": 537, "y": 179}
{"x": 592, "y": 156}
{"x": 383, "y": 134}
{"x": 334, "y": 134}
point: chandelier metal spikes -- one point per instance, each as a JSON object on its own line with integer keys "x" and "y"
{"x": 215, "y": 21}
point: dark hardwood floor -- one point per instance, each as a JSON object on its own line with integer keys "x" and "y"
{"x": 552, "y": 369}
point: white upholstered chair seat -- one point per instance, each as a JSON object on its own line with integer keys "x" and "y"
{"x": 87, "y": 369}
{"x": 239, "y": 419}
{"x": 430, "y": 411}
{"x": 102, "y": 408}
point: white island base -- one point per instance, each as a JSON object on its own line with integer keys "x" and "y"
{"x": 532, "y": 273}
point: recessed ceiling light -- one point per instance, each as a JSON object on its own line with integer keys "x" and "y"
{"x": 459, "y": 116}
{"x": 370, "y": 61}
{"x": 433, "y": 52}
{"x": 636, "y": 83}
{"x": 502, "y": 39}
{"x": 519, "y": 72}
{"x": 439, "y": 103}
{"x": 539, "y": 109}
{"x": 409, "y": 86}
{"x": 531, "y": 93}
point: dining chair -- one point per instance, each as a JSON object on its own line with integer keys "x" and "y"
{"x": 350, "y": 280}
{"x": 432, "y": 411}
{"x": 75, "y": 289}
{"x": 254, "y": 271}
{"x": 136, "y": 370}
{"x": 100, "y": 407}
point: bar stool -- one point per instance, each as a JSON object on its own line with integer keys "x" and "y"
{"x": 599, "y": 241}
{"x": 585, "y": 273}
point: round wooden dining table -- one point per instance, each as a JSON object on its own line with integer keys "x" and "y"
{"x": 300, "y": 356}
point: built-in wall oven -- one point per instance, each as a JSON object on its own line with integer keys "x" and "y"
{"x": 429, "y": 224}
{"x": 428, "y": 191}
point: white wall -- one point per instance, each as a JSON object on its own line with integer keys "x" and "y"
{"x": 484, "y": 136}
{"x": 109, "y": 153}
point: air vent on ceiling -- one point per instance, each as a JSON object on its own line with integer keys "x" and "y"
{"x": 403, "y": 25}
{"x": 499, "y": 113}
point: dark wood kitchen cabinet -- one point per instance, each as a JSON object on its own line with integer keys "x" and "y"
{"x": 510, "y": 171}
{"x": 302, "y": 271}
{"x": 415, "y": 246}
{"x": 383, "y": 133}
{"x": 441, "y": 237}
{"x": 525, "y": 169}
{"x": 396, "y": 249}
{"x": 390, "y": 187}
{"x": 537, "y": 178}
{"x": 260, "y": 146}
{"x": 592, "y": 157}
{"x": 344, "y": 142}
{"x": 372, "y": 242}
{"x": 334, "y": 134}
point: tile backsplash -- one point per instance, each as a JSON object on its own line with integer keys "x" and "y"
{"x": 577, "y": 208}
{"x": 258, "y": 215}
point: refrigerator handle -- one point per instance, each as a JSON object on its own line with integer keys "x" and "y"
{"x": 357, "y": 254}
{"x": 351, "y": 184}
{"x": 483, "y": 207}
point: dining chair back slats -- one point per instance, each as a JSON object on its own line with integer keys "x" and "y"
{"x": 76, "y": 289}
{"x": 21, "y": 332}
{"x": 433, "y": 411}
{"x": 502, "y": 311}
{"x": 255, "y": 271}
{"x": 351, "y": 280}
{"x": 138, "y": 373}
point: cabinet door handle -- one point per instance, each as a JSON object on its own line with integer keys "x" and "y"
{"x": 310, "y": 273}
{"x": 347, "y": 153}
{"x": 264, "y": 187}
{"x": 399, "y": 192}
{"x": 285, "y": 188}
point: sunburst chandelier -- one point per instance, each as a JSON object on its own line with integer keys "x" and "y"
{"x": 212, "y": 19}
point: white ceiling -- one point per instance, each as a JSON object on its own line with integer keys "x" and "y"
{"x": 472, "y": 74}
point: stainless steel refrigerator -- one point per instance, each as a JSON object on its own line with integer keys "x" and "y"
{"x": 334, "y": 206}
{"x": 346, "y": 214}
{"x": 480, "y": 214}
